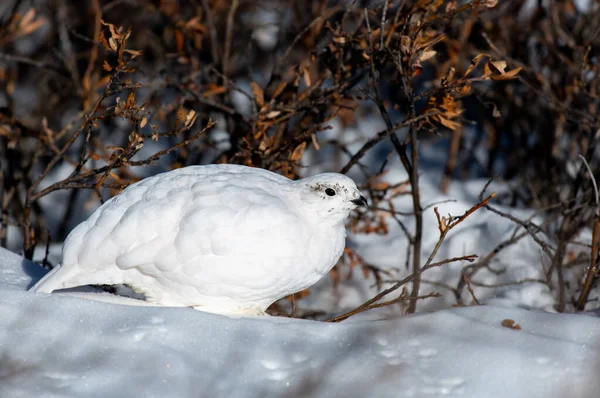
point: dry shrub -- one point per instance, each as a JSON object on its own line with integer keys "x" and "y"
{"x": 103, "y": 88}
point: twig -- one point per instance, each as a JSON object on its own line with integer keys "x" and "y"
{"x": 367, "y": 305}
{"x": 228, "y": 37}
{"x": 181, "y": 144}
{"x": 87, "y": 76}
{"x": 506, "y": 284}
{"x": 470, "y": 289}
{"x": 383, "y": 22}
{"x": 592, "y": 271}
{"x": 530, "y": 227}
{"x": 212, "y": 31}
{"x": 35, "y": 63}
{"x": 381, "y": 136}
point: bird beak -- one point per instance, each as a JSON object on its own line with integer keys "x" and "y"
{"x": 361, "y": 201}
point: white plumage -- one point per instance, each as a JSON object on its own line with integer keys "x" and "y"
{"x": 221, "y": 238}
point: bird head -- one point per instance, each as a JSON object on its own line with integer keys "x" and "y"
{"x": 332, "y": 196}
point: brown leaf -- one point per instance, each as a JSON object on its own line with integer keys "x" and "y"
{"x": 449, "y": 76}
{"x": 112, "y": 43}
{"x": 130, "y": 100}
{"x": 100, "y": 37}
{"x": 95, "y": 156}
{"x": 28, "y": 17}
{"x": 272, "y": 114}
{"x": 29, "y": 24}
{"x": 306, "y": 75}
{"x": 179, "y": 41}
{"x": 315, "y": 142}
{"x": 190, "y": 118}
{"x": 487, "y": 71}
{"x": 500, "y": 66}
{"x": 466, "y": 89}
{"x": 452, "y": 125}
{"x": 107, "y": 66}
{"x": 213, "y": 89}
{"x": 133, "y": 53}
{"x": 405, "y": 44}
{"x": 496, "y": 113}
{"x": 511, "y": 74}
{"x": 425, "y": 55}
{"x": 259, "y": 95}
{"x": 298, "y": 152}
{"x": 417, "y": 70}
{"x": 509, "y": 323}
{"x": 475, "y": 62}
{"x": 279, "y": 89}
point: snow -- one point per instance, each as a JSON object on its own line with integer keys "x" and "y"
{"x": 94, "y": 344}
{"x": 58, "y": 345}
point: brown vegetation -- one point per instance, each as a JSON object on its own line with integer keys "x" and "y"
{"x": 104, "y": 88}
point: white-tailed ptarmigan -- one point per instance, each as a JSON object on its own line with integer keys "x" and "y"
{"x": 220, "y": 238}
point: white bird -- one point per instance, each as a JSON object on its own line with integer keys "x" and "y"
{"x": 219, "y": 238}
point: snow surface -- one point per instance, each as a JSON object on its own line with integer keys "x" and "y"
{"x": 61, "y": 346}
{"x": 68, "y": 345}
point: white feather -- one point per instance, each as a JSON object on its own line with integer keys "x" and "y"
{"x": 222, "y": 238}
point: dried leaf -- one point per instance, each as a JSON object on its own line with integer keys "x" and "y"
{"x": 28, "y": 24}
{"x": 487, "y": 71}
{"x": 315, "y": 142}
{"x": 263, "y": 144}
{"x": 449, "y": 76}
{"x": 298, "y": 152}
{"x": 474, "y": 63}
{"x": 190, "y": 119}
{"x": 417, "y": 70}
{"x": 451, "y": 6}
{"x": 213, "y": 89}
{"x": 130, "y": 100}
{"x": 259, "y": 95}
{"x": 144, "y": 122}
{"x": 500, "y": 66}
{"x": 511, "y": 74}
{"x": 466, "y": 89}
{"x": 94, "y": 156}
{"x": 425, "y": 55}
{"x": 272, "y": 114}
{"x": 306, "y": 75}
{"x": 279, "y": 89}
{"x": 112, "y": 43}
{"x": 405, "y": 43}
{"x": 100, "y": 37}
{"x": 496, "y": 113}
{"x": 179, "y": 41}
{"x": 107, "y": 66}
{"x": 452, "y": 125}
{"x": 134, "y": 53}
{"x": 28, "y": 17}
{"x": 509, "y": 323}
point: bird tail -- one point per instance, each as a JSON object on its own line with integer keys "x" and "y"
{"x": 50, "y": 282}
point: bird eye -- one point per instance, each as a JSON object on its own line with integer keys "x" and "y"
{"x": 330, "y": 192}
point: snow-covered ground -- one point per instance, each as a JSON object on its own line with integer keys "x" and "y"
{"x": 66, "y": 345}
{"x": 62, "y": 346}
